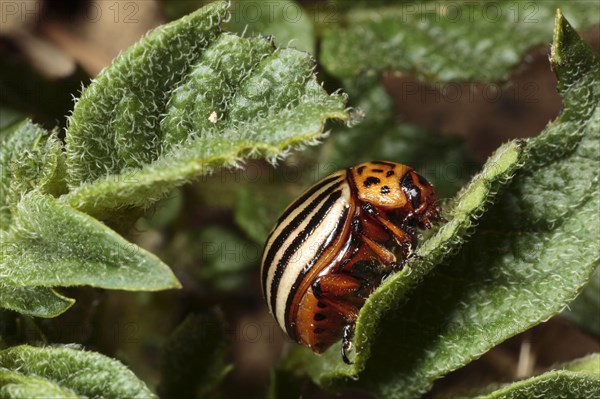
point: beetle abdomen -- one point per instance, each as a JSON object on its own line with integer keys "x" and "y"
{"x": 306, "y": 229}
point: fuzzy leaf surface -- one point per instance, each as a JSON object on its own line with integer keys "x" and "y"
{"x": 533, "y": 251}
{"x": 438, "y": 41}
{"x": 30, "y": 157}
{"x": 34, "y": 301}
{"x": 14, "y": 385}
{"x": 184, "y": 101}
{"x": 577, "y": 379}
{"x": 31, "y": 372}
{"x": 51, "y": 244}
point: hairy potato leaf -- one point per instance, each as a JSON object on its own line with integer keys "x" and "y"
{"x": 577, "y": 379}
{"x": 51, "y": 244}
{"x": 184, "y": 101}
{"x": 440, "y": 41}
{"x": 33, "y": 301}
{"x": 30, "y": 157}
{"x": 533, "y": 251}
{"x": 31, "y": 372}
{"x": 14, "y": 385}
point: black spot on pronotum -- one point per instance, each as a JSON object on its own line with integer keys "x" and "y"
{"x": 370, "y": 181}
{"x": 318, "y": 330}
{"x": 411, "y": 190}
{"x": 389, "y": 173}
{"x": 321, "y": 305}
{"x": 359, "y": 170}
{"x": 377, "y": 170}
{"x": 319, "y": 317}
{"x": 384, "y": 190}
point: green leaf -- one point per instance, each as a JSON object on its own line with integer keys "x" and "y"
{"x": 34, "y": 301}
{"x": 438, "y": 41}
{"x": 585, "y": 309}
{"x": 14, "y": 385}
{"x": 30, "y": 157}
{"x": 188, "y": 100}
{"x": 51, "y": 244}
{"x": 576, "y": 379}
{"x": 533, "y": 251}
{"x": 193, "y": 358}
{"x": 66, "y": 372}
{"x": 285, "y": 20}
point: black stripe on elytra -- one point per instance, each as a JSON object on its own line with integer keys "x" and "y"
{"x": 312, "y": 224}
{"x": 294, "y": 223}
{"x": 322, "y": 248}
{"x": 391, "y": 165}
{"x": 299, "y": 201}
{"x": 411, "y": 190}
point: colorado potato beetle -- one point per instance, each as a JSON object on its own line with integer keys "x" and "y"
{"x": 334, "y": 244}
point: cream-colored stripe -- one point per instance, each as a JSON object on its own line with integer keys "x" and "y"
{"x": 282, "y": 225}
{"x": 307, "y": 252}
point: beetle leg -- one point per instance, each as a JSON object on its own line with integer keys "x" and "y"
{"x": 336, "y": 285}
{"x": 347, "y": 342}
{"x": 339, "y": 291}
{"x": 385, "y": 255}
{"x": 401, "y": 237}
{"x": 336, "y": 291}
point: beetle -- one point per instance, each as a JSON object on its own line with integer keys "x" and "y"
{"x": 335, "y": 243}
